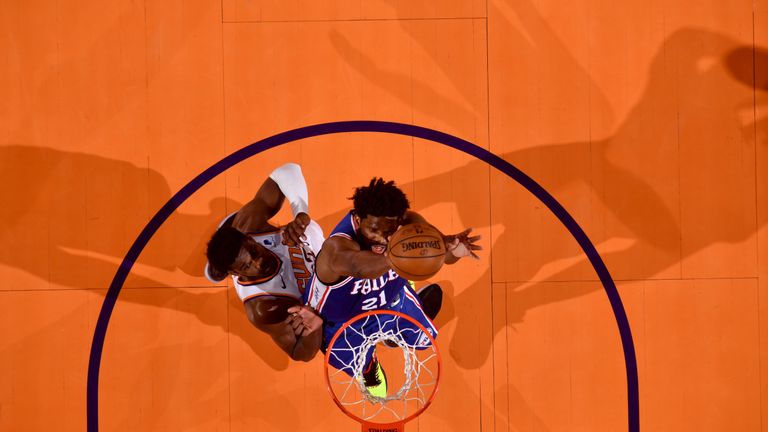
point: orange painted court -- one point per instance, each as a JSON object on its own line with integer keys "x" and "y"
{"x": 647, "y": 121}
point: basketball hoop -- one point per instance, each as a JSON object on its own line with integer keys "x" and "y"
{"x": 350, "y": 351}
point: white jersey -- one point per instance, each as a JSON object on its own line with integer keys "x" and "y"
{"x": 296, "y": 265}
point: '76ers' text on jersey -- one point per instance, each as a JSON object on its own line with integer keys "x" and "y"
{"x": 295, "y": 269}
{"x": 350, "y": 296}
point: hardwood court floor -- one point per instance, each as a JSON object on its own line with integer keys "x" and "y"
{"x": 646, "y": 120}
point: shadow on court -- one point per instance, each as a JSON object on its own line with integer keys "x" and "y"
{"x": 76, "y": 215}
{"x": 697, "y": 106}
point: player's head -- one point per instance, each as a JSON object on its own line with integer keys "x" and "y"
{"x": 379, "y": 210}
{"x": 232, "y": 252}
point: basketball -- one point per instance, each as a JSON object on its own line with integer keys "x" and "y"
{"x": 416, "y": 251}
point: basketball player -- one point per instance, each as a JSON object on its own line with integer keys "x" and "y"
{"x": 353, "y": 275}
{"x": 272, "y": 266}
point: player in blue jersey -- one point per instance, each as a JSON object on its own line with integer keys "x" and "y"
{"x": 271, "y": 266}
{"x": 353, "y": 275}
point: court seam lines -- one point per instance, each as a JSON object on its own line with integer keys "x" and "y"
{"x": 107, "y": 288}
{"x": 757, "y": 204}
{"x": 498, "y": 282}
{"x": 356, "y": 20}
{"x": 226, "y": 211}
{"x": 490, "y": 222}
{"x": 723, "y": 278}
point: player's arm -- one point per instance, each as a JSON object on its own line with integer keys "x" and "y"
{"x": 457, "y": 245}
{"x": 271, "y": 316}
{"x": 298, "y": 347}
{"x": 342, "y": 257}
{"x": 286, "y": 181}
{"x": 308, "y": 330}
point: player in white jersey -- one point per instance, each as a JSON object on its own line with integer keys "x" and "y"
{"x": 271, "y": 266}
{"x": 291, "y": 277}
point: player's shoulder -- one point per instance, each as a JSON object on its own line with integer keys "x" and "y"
{"x": 332, "y": 255}
{"x": 337, "y": 243}
{"x": 347, "y": 227}
{"x": 271, "y": 239}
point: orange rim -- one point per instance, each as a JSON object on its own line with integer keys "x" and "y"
{"x": 418, "y": 412}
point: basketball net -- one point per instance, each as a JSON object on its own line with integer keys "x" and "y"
{"x": 349, "y": 351}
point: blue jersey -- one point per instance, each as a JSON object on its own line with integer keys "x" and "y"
{"x": 341, "y": 300}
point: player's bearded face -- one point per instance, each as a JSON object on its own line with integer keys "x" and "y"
{"x": 376, "y": 231}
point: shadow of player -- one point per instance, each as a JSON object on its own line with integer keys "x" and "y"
{"x": 628, "y": 172}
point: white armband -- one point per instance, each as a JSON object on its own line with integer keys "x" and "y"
{"x": 291, "y": 182}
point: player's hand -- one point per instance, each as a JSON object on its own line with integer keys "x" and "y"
{"x": 294, "y": 231}
{"x": 304, "y": 320}
{"x": 462, "y": 245}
